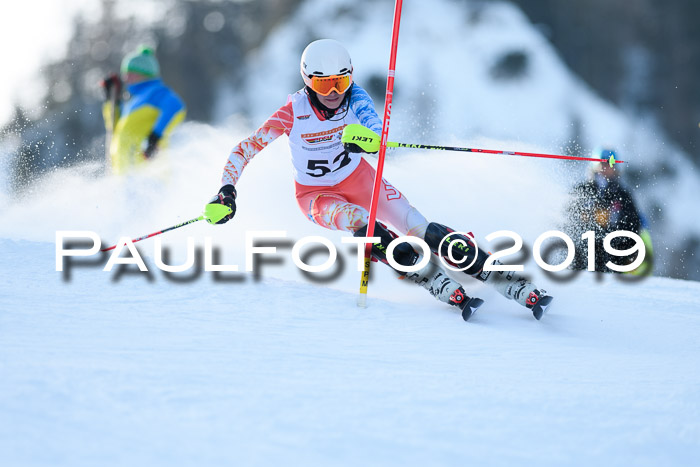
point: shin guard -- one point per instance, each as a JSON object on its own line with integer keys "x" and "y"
{"x": 404, "y": 254}
{"x": 464, "y": 251}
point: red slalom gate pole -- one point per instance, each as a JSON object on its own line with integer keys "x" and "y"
{"x": 362, "y": 298}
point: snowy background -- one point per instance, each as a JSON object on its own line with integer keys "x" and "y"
{"x": 126, "y": 368}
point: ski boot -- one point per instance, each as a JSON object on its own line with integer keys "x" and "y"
{"x": 519, "y": 289}
{"x": 464, "y": 251}
{"x": 431, "y": 277}
{"x": 434, "y": 280}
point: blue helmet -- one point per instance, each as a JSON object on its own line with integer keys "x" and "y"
{"x": 602, "y": 152}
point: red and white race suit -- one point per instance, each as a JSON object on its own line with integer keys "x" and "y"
{"x": 333, "y": 186}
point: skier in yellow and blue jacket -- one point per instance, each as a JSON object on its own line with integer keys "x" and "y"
{"x": 140, "y": 124}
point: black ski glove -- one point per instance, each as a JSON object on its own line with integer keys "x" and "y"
{"x": 352, "y": 147}
{"x": 151, "y": 146}
{"x": 112, "y": 86}
{"x": 226, "y": 196}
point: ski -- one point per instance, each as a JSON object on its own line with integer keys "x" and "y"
{"x": 470, "y": 307}
{"x": 539, "y": 308}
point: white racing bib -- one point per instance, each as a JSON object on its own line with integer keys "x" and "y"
{"x": 318, "y": 155}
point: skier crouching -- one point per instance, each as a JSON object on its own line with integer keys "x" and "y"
{"x": 334, "y": 183}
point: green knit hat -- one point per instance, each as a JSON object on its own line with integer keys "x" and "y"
{"x": 142, "y": 60}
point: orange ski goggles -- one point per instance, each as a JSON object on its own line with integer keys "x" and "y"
{"x": 324, "y": 85}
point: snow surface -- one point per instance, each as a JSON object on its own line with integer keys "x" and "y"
{"x": 128, "y": 368}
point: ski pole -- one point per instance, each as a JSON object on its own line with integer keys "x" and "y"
{"x": 364, "y": 280}
{"x": 112, "y": 84}
{"x": 367, "y": 140}
{"x": 611, "y": 161}
{"x": 213, "y": 213}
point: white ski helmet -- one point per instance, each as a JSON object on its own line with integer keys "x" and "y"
{"x": 325, "y": 57}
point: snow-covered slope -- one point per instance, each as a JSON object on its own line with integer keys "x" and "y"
{"x": 136, "y": 369}
{"x": 114, "y": 370}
